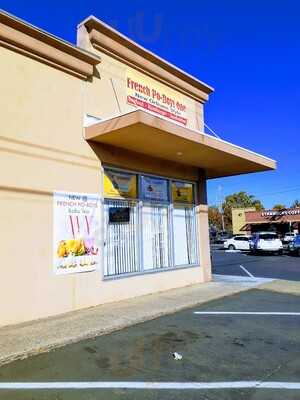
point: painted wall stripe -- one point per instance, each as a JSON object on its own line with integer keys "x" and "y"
{"x": 149, "y": 385}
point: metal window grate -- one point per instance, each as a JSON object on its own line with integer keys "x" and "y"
{"x": 191, "y": 233}
{"x": 185, "y": 236}
{"x": 155, "y": 237}
{"x": 121, "y": 250}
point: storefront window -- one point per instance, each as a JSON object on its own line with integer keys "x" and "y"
{"x": 150, "y": 223}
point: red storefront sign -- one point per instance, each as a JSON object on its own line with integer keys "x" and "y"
{"x": 158, "y": 110}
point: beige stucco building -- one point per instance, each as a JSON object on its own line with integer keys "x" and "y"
{"x": 239, "y": 219}
{"x": 249, "y": 220}
{"x": 105, "y": 117}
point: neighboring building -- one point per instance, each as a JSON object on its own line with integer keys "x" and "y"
{"x": 118, "y": 132}
{"x": 281, "y": 221}
{"x": 239, "y": 219}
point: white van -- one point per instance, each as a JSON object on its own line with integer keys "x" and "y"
{"x": 266, "y": 242}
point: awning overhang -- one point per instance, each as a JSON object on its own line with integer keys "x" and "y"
{"x": 248, "y": 225}
{"x": 145, "y": 133}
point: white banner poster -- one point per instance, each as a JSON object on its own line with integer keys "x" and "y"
{"x": 76, "y": 225}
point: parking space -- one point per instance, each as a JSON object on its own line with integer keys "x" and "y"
{"x": 261, "y": 265}
{"x": 246, "y": 353}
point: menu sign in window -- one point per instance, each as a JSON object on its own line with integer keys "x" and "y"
{"x": 144, "y": 92}
{"x": 154, "y": 188}
{"x": 120, "y": 184}
{"x": 182, "y": 192}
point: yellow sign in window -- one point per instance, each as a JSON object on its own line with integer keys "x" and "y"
{"x": 120, "y": 184}
{"x": 182, "y": 192}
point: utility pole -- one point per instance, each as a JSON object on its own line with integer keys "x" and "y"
{"x": 220, "y": 199}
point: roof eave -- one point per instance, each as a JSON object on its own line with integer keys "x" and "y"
{"x": 139, "y": 131}
{"x": 98, "y": 30}
{"x": 22, "y": 37}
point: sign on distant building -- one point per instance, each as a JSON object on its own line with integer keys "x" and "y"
{"x": 279, "y": 213}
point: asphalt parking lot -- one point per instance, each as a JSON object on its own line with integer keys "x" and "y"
{"x": 263, "y": 266}
{"x": 216, "y": 349}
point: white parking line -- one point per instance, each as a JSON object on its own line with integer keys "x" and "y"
{"x": 247, "y": 272}
{"x": 239, "y": 278}
{"x": 149, "y": 385}
{"x": 246, "y": 313}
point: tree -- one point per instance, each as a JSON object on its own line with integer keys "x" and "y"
{"x": 214, "y": 218}
{"x": 295, "y": 204}
{"x": 279, "y": 206}
{"x": 238, "y": 200}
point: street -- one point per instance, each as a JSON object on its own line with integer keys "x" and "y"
{"x": 240, "y": 357}
{"x": 262, "y": 266}
{"x": 227, "y": 352}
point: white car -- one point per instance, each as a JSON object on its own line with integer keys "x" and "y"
{"x": 238, "y": 242}
{"x": 266, "y": 242}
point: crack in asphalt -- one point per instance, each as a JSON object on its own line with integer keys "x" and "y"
{"x": 269, "y": 375}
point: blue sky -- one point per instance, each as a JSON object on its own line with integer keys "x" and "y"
{"x": 247, "y": 50}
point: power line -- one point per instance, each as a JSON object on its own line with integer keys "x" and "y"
{"x": 296, "y": 188}
{"x": 291, "y": 189}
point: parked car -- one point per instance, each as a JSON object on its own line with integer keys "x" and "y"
{"x": 238, "y": 242}
{"x": 266, "y": 242}
{"x": 294, "y": 246}
{"x": 221, "y": 237}
{"x": 289, "y": 237}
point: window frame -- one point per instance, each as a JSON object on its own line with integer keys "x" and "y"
{"x": 170, "y": 210}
